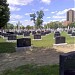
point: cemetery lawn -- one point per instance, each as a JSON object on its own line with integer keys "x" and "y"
{"x": 6, "y": 47}
{"x": 33, "y": 70}
{"x": 47, "y": 41}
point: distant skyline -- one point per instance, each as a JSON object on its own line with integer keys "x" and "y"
{"x": 54, "y": 10}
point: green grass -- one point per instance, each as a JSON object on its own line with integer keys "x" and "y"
{"x": 47, "y": 41}
{"x": 6, "y": 47}
{"x": 33, "y": 70}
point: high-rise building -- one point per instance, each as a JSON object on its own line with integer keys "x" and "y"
{"x": 71, "y": 16}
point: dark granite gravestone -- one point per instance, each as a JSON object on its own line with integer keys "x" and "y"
{"x": 47, "y": 31}
{"x": 20, "y": 33}
{"x": 24, "y": 42}
{"x": 73, "y": 34}
{"x": 38, "y": 32}
{"x": 67, "y": 64}
{"x": 60, "y": 40}
{"x": 12, "y": 37}
{"x": 69, "y": 32}
{"x": 6, "y": 34}
{"x": 57, "y": 33}
{"x": 10, "y": 32}
{"x": 0, "y": 33}
{"x": 26, "y": 33}
{"x": 43, "y": 33}
{"x": 37, "y": 36}
{"x": 33, "y": 32}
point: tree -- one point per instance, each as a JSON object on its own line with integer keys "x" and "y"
{"x": 4, "y": 13}
{"x": 10, "y": 26}
{"x": 33, "y": 16}
{"x": 18, "y": 24}
{"x": 37, "y": 18}
{"x": 28, "y": 27}
{"x": 71, "y": 25}
{"x": 54, "y": 25}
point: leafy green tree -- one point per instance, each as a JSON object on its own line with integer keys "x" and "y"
{"x": 37, "y": 18}
{"x": 10, "y": 26}
{"x": 71, "y": 25}
{"x": 33, "y": 17}
{"x": 28, "y": 27}
{"x": 54, "y": 25}
{"x": 4, "y": 13}
{"x": 18, "y": 25}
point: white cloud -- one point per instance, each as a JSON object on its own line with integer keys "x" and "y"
{"x": 16, "y": 17}
{"x": 59, "y": 17}
{"x": 54, "y": 12}
{"x": 27, "y": 14}
{"x": 27, "y": 22}
{"x": 24, "y": 22}
{"x": 64, "y": 11}
{"x": 63, "y": 20}
{"x": 45, "y": 23}
{"x": 48, "y": 17}
{"x": 53, "y": 20}
{"x": 33, "y": 9}
{"x": 14, "y": 8}
{"x": 19, "y": 2}
{"x": 46, "y": 1}
{"x": 46, "y": 9}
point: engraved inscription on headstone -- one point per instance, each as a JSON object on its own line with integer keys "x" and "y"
{"x": 60, "y": 39}
{"x": 56, "y": 34}
{"x": 12, "y": 37}
{"x": 23, "y": 42}
{"x": 37, "y": 36}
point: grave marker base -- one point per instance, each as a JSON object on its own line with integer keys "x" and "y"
{"x": 37, "y": 39}
{"x": 60, "y": 44}
{"x": 18, "y": 49}
{"x": 72, "y": 36}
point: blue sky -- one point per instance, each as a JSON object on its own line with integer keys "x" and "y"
{"x": 54, "y": 10}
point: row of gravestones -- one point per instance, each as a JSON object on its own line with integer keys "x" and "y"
{"x": 58, "y": 39}
{"x": 12, "y": 35}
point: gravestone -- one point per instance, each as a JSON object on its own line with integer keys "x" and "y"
{"x": 26, "y": 33}
{"x": 5, "y": 35}
{"x": 60, "y": 40}
{"x": 47, "y": 31}
{"x": 39, "y": 32}
{"x": 37, "y": 37}
{"x": 23, "y": 42}
{"x": 43, "y": 33}
{"x": 73, "y": 34}
{"x": 69, "y": 32}
{"x": 10, "y": 32}
{"x": 12, "y": 37}
{"x": 33, "y": 32}
{"x": 67, "y": 64}
{"x": 56, "y": 34}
